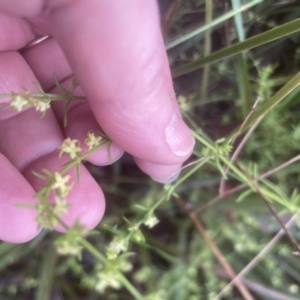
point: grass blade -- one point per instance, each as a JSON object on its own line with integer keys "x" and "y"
{"x": 250, "y": 43}
{"x": 242, "y": 68}
{"x": 207, "y": 48}
{"x": 48, "y": 268}
{"x": 207, "y": 26}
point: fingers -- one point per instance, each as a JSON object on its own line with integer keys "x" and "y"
{"x": 80, "y": 122}
{"x": 31, "y": 144}
{"x": 46, "y": 59}
{"x": 15, "y": 32}
{"x": 117, "y": 53}
{"x": 159, "y": 173}
{"x": 17, "y": 224}
{"x": 20, "y": 7}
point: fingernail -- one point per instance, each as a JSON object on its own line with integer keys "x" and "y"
{"x": 172, "y": 178}
{"x": 179, "y": 137}
{"x": 110, "y": 162}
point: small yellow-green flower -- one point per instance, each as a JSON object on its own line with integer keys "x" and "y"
{"x": 70, "y": 147}
{"x": 116, "y": 246}
{"x": 60, "y": 184}
{"x": 61, "y": 206}
{"x": 41, "y": 106}
{"x": 92, "y": 141}
{"x": 69, "y": 243}
{"x": 107, "y": 279}
{"x": 151, "y": 221}
{"x": 19, "y": 101}
{"x": 44, "y": 219}
{"x": 48, "y": 213}
{"x": 184, "y": 103}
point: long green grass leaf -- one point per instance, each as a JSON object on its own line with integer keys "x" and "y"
{"x": 207, "y": 48}
{"x": 242, "y": 78}
{"x": 44, "y": 289}
{"x": 250, "y": 43}
{"x": 207, "y": 26}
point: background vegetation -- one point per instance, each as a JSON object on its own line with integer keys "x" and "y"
{"x": 235, "y": 66}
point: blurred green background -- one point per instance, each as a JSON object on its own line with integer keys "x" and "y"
{"x": 224, "y": 56}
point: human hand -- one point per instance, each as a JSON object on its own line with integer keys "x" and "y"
{"x": 116, "y": 52}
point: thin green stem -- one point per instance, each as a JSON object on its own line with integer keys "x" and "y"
{"x": 89, "y": 247}
{"x": 134, "y": 292}
{"x": 225, "y": 160}
{"x": 207, "y": 48}
{"x": 52, "y": 97}
{"x": 243, "y": 77}
{"x": 79, "y": 159}
{"x": 188, "y": 174}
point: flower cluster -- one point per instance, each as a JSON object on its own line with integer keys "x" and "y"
{"x": 184, "y": 103}
{"x": 69, "y": 243}
{"x": 116, "y": 246}
{"x": 107, "y": 279}
{"x": 48, "y": 214}
{"x": 22, "y": 100}
{"x": 137, "y": 234}
{"x": 110, "y": 274}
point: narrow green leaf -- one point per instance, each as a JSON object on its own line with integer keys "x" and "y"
{"x": 243, "y": 196}
{"x": 250, "y": 43}
{"x": 238, "y": 19}
{"x": 44, "y": 289}
{"x": 207, "y": 48}
{"x": 273, "y": 101}
{"x": 242, "y": 68}
{"x": 36, "y": 174}
{"x": 142, "y": 208}
{"x": 215, "y": 22}
{"x": 243, "y": 85}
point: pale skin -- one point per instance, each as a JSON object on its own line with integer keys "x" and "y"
{"x": 115, "y": 50}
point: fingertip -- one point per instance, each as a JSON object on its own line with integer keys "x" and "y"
{"x": 24, "y": 231}
{"x": 87, "y": 202}
{"x": 170, "y": 179}
{"x": 158, "y": 172}
{"x": 105, "y": 156}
